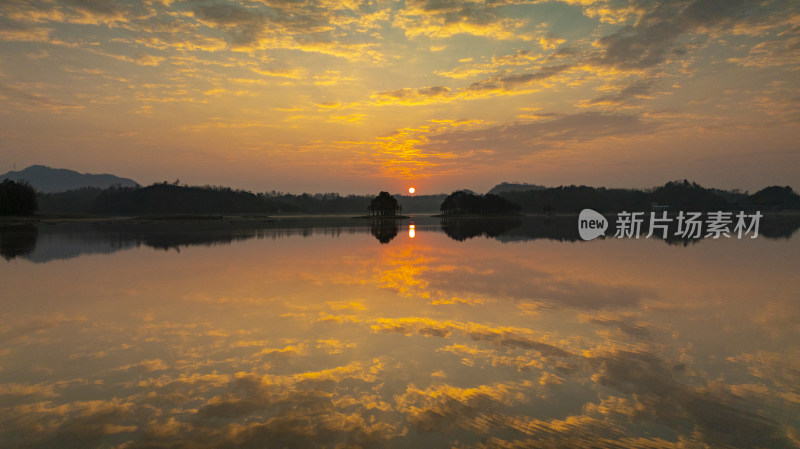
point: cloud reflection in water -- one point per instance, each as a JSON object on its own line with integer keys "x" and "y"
{"x": 343, "y": 342}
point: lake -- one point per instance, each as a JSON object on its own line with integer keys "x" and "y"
{"x": 341, "y": 333}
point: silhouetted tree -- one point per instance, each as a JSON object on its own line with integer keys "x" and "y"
{"x": 78, "y": 201}
{"x": 678, "y": 195}
{"x": 775, "y": 197}
{"x": 181, "y": 199}
{"x": 17, "y": 198}
{"x": 461, "y": 202}
{"x": 174, "y": 199}
{"x": 384, "y": 205}
{"x": 687, "y": 196}
{"x": 466, "y": 202}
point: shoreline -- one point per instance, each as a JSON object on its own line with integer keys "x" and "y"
{"x": 257, "y": 218}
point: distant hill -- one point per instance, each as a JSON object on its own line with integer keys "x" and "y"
{"x": 514, "y": 187}
{"x": 49, "y": 180}
{"x": 776, "y": 197}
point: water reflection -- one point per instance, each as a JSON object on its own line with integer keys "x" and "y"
{"x": 17, "y": 241}
{"x": 466, "y": 228}
{"x": 287, "y": 337}
{"x": 384, "y": 229}
{"x": 46, "y": 242}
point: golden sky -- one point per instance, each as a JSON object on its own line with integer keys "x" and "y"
{"x": 356, "y": 96}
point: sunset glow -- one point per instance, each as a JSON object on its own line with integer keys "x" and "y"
{"x": 211, "y": 235}
{"x": 360, "y": 96}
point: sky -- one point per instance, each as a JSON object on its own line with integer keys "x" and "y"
{"x": 357, "y": 96}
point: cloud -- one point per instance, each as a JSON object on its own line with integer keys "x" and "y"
{"x": 623, "y": 324}
{"x": 408, "y": 96}
{"x": 328, "y": 105}
{"x": 422, "y": 326}
{"x": 633, "y": 48}
{"x": 286, "y": 351}
{"x": 526, "y": 138}
{"x": 149, "y": 365}
{"x": 334, "y": 346}
{"x": 106, "y": 8}
{"x": 443, "y": 19}
{"x": 245, "y": 26}
{"x": 511, "y": 82}
{"x": 15, "y": 392}
{"x": 661, "y": 32}
{"x": 777, "y": 52}
{"x": 332, "y": 78}
{"x": 632, "y": 93}
{"x": 294, "y": 26}
{"x": 469, "y": 68}
{"x": 351, "y": 118}
{"x": 168, "y": 32}
{"x": 20, "y": 33}
{"x": 84, "y": 12}
{"x": 439, "y": 148}
{"x": 149, "y": 60}
{"x": 656, "y": 36}
{"x": 27, "y": 328}
{"x": 366, "y": 51}
{"x": 290, "y": 73}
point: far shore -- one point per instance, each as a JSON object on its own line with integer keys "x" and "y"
{"x": 482, "y": 216}
{"x": 273, "y": 218}
{"x": 383, "y": 217}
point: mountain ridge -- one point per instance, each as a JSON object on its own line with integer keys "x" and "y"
{"x": 514, "y": 187}
{"x": 52, "y": 180}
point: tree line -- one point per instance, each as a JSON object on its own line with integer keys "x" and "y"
{"x": 19, "y": 198}
{"x": 165, "y": 198}
{"x": 172, "y": 198}
{"x": 464, "y": 202}
{"x": 673, "y": 196}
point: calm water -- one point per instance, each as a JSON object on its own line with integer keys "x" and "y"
{"x": 307, "y": 335}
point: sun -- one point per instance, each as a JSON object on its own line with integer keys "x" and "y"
{"x": 411, "y": 190}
